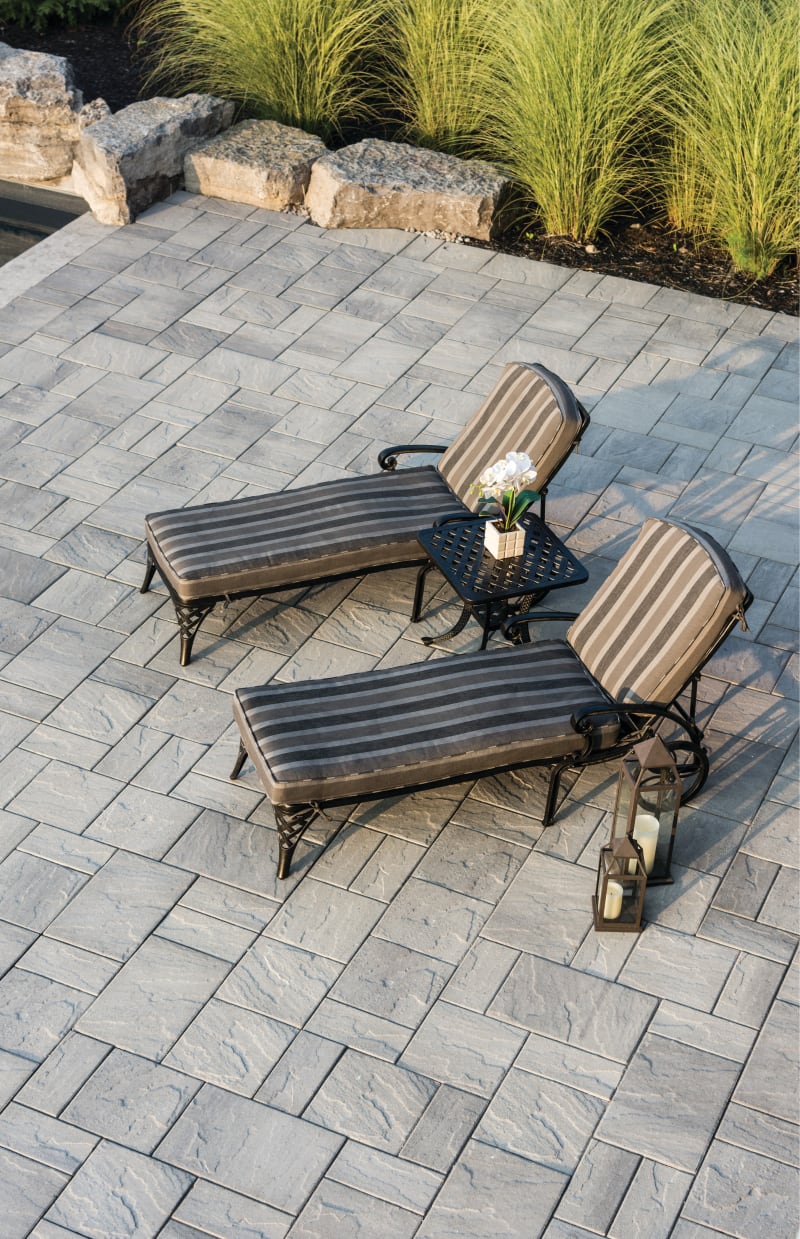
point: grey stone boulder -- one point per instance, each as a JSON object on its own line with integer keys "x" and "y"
{"x": 127, "y": 161}
{"x": 377, "y": 184}
{"x": 258, "y": 162}
{"x": 93, "y": 112}
{"x": 39, "y": 108}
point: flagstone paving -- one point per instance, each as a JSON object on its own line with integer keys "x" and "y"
{"x": 418, "y": 1033}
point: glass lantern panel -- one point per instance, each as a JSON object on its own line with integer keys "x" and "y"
{"x": 659, "y": 798}
{"x": 630, "y": 902}
{"x": 622, "y": 808}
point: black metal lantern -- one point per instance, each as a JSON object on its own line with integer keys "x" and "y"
{"x": 646, "y": 808}
{"x": 621, "y": 880}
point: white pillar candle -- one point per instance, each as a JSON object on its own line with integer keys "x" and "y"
{"x": 613, "y": 904}
{"x": 645, "y": 832}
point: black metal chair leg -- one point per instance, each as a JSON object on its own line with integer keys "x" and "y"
{"x": 553, "y": 787}
{"x": 241, "y": 758}
{"x": 458, "y": 627}
{"x": 293, "y": 820}
{"x": 416, "y": 610}
{"x": 189, "y": 620}
{"x": 486, "y": 624}
{"x": 149, "y": 572}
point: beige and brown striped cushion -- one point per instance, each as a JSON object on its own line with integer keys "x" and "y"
{"x": 528, "y": 410}
{"x": 337, "y": 528}
{"x": 652, "y": 624}
{"x": 383, "y": 730}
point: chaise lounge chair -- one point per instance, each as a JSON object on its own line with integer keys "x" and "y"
{"x": 221, "y": 551}
{"x": 616, "y": 678}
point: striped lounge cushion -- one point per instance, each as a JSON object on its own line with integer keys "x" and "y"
{"x": 654, "y": 621}
{"x": 336, "y": 528}
{"x": 384, "y": 730}
{"x": 528, "y": 410}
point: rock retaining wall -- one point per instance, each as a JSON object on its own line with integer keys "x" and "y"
{"x": 124, "y": 162}
{"x": 378, "y": 184}
{"x": 129, "y": 160}
{"x": 39, "y": 115}
{"x": 257, "y": 161}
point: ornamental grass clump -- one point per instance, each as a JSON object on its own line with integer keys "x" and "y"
{"x": 733, "y": 104}
{"x": 573, "y": 104}
{"x": 301, "y": 62}
{"x": 437, "y": 60}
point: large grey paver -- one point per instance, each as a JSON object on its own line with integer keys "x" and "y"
{"x": 325, "y": 920}
{"x": 433, "y": 920}
{"x": 153, "y": 998}
{"x": 230, "y": 1046}
{"x": 597, "y": 1186}
{"x": 773, "y": 1063}
{"x": 545, "y": 911}
{"x": 385, "y": 1177}
{"x": 36, "y": 1013}
{"x": 651, "y": 1203}
{"x": 221, "y": 847}
{"x": 463, "y": 1049}
{"x": 547, "y": 1122}
{"x": 491, "y": 1191}
{"x": 27, "y": 1189}
{"x": 117, "y": 1191}
{"x": 130, "y": 1100}
{"x": 44, "y": 1139}
{"x": 33, "y": 891}
{"x": 336, "y": 1205}
{"x": 579, "y": 1009}
{"x": 250, "y": 1148}
{"x": 61, "y": 657}
{"x": 280, "y": 980}
{"x": 693, "y": 1088}
{"x": 120, "y": 905}
{"x": 374, "y": 1102}
{"x": 391, "y": 981}
{"x": 678, "y": 967}
{"x": 208, "y": 1206}
{"x": 745, "y": 1193}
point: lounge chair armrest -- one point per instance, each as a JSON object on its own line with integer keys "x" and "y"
{"x": 450, "y": 518}
{"x": 387, "y": 459}
{"x": 534, "y": 617}
{"x": 632, "y": 710}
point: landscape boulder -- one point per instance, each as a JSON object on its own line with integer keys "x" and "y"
{"x": 259, "y": 162}
{"x": 127, "y": 161}
{"x": 377, "y": 184}
{"x": 39, "y": 108}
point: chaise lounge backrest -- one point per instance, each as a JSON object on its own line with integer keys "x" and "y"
{"x": 659, "y": 615}
{"x": 521, "y": 413}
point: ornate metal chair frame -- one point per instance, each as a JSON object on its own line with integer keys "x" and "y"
{"x": 192, "y": 611}
{"x": 636, "y": 720}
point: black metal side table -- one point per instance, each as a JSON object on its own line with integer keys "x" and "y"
{"x": 487, "y": 586}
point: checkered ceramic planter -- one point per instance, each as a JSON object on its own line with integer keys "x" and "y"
{"x": 501, "y": 544}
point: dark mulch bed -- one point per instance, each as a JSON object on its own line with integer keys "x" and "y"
{"x": 103, "y": 62}
{"x": 105, "y": 65}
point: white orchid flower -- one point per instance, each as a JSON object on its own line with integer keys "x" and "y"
{"x": 504, "y": 482}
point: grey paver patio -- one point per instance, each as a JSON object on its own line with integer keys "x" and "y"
{"x": 419, "y": 1033}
